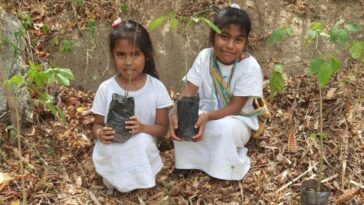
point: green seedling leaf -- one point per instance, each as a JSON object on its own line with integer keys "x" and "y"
{"x": 334, "y": 64}
{"x": 316, "y": 29}
{"x": 173, "y": 22}
{"x": 91, "y": 24}
{"x": 34, "y": 67}
{"x": 339, "y": 22}
{"x": 67, "y": 46}
{"x": 276, "y": 81}
{"x": 317, "y": 26}
{"x": 45, "y": 29}
{"x": 343, "y": 36}
{"x": 279, "y": 34}
{"x": 124, "y": 8}
{"x": 26, "y": 21}
{"x": 210, "y": 24}
{"x": 155, "y": 23}
{"x": 62, "y": 79}
{"x": 324, "y": 74}
{"x": 334, "y": 34}
{"x": 15, "y": 81}
{"x": 67, "y": 73}
{"x": 357, "y": 50}
{"x": 352, "y": 27}
{"x": 45, "y": 98}
{"x": 315, "y": 65}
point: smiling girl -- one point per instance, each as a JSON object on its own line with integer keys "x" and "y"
{"x": 227, "y": 80}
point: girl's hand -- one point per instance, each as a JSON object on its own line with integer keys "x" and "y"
{"x": 173, "y": 126}
{"x": 134, "y": 125}
{"x": 200, "y": 124}
{"x": 105, "y": 135}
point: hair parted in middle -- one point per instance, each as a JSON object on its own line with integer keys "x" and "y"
{"x": 135, "y": 33}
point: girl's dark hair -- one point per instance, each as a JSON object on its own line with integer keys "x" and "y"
{"x": 134, "y": 31}
{"x": 228, "y": 16}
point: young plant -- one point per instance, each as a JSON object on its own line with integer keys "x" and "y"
{"x": 276, "y": 81}
{"x": 37, "y": 81}
{"x": 324, "y": 66}
{"x": 67, "y": 46}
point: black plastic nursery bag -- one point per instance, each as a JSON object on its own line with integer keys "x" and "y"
{"x": 187, "y": 112}
{"x": 120, "y": 110}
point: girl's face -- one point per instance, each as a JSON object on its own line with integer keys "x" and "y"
{"x": 229, "y": 44}
{"x": 129, "y": 60}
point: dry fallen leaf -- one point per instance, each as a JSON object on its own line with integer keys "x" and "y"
{"x": 347, "y": 196}
{"x": 292, "y": 144}
{"x": 4, "y": 180}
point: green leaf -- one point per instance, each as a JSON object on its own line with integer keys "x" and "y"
{"x": 343, "y": 36}
{"x": 279, "y": 34}
{"x": 315, "y": 65}
{"x": 173, "y": 22}
{"x": 334, "y": 34}
{"x": 278, "y": 68}
{"x": 124, "y": 8}
{"x": 276, "y": 36}
{"x": 317, "y": 26}
{"x": 324, "y": 74}
{"x": 46, "y": 98}
{"x": 311, "y": 35}
{"x": 62, "y": 80}
{"x": 16, "y": 80}
{"x": 32, "y": 66}
{"x": 157, "y": 22}
{"x": 357, "y": 50}
{"x": 334, "y": 64}
{"x": 211, "y": 25}
{"x": 339, "y": 22}
{"x": 67, "y": 73}
{"x": 276, "y": 81}
{"x": 352, "y": 27}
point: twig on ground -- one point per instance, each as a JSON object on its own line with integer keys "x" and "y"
{"x": 297, "y": 178}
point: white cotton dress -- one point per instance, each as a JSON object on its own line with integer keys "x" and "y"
{"x": 135, "y": 163}
{"x": 222, "y": 153}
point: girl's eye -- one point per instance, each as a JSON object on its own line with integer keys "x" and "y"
{"x": 239, "y": 40}
{"x": 120, "y": 54}
{"x": 223, "y": 36}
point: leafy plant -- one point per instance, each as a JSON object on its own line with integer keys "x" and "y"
{"x": 37, "y": 81}
{"x": 26, "y": 21}
{"x": 124, "y": 8}
{"x": 174, "y": 20}
{"x": 78, "y": 3}
{"x": 276, "y": 81}
{"x": 91, "y": 24}
{"x": 323, "y": 66}
{"x": 67, "y": 46}
{"x": 280, "y": 34}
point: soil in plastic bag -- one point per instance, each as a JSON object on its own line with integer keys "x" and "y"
{"x": 310, "y": 196}
{"x": 187, "y": 113}
{"x": 120, "y": 110}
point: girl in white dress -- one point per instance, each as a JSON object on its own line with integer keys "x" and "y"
{"x": 132, "y": 164}
{"x": 226, "y": 80}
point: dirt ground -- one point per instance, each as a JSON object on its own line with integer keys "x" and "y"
{"x": 58, "y": 166}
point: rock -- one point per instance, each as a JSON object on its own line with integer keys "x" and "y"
{"x": 12, "y": 48}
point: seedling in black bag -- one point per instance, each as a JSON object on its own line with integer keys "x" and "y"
{"x": 187, "y": 113}
{"x": 120, "y": 110}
